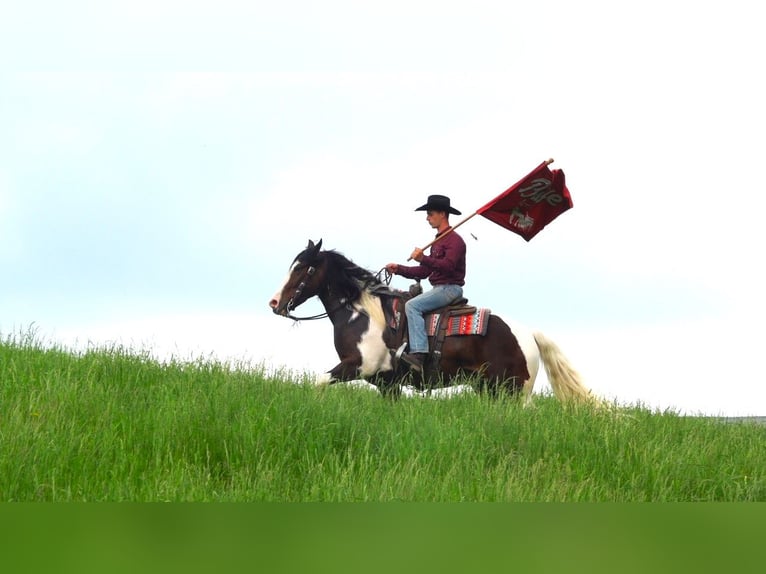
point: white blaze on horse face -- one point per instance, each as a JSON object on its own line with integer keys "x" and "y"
{"x": 276, "y": 298}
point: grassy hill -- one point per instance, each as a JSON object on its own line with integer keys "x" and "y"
{"x": 112, "y": 424}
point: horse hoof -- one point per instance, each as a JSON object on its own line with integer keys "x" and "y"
{"x": 323, "y": 380}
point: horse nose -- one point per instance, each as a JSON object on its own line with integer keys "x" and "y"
{"x": 273, "y": 303}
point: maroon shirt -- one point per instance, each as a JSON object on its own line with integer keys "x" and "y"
{"x": 444, "y": 266}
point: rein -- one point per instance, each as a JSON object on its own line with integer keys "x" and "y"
{"x": 317, "y": 316}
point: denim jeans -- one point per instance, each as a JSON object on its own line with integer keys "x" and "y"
{"x": 415, "y": 308}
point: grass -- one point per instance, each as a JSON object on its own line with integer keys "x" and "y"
{"x": 112, "y": 424}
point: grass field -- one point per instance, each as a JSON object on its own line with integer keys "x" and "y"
{"x": 113, "y": 424}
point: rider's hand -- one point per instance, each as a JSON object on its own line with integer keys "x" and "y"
{"x": 417, "y": 255}
{"x": 392, "y": 267}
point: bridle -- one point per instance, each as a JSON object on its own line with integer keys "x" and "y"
{"x": 291, "y": 303}
{"x": 290, "y": 307}
{"x": 301, "y": 286}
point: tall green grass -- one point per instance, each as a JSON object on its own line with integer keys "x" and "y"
{"x": 113, "y": 424}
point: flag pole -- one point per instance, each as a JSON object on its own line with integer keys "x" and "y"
{"x": 450, "y": 230}
{"x": 461, "y": 222}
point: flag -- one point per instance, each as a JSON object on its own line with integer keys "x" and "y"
{"x": 531, "y": 203}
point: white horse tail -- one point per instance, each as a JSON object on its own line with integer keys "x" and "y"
{"x": 565, "y": 381}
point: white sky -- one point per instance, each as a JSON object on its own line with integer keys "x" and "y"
{"x": 161, "y": 163}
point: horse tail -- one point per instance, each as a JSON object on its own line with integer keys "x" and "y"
{"x": 565, "y": 381}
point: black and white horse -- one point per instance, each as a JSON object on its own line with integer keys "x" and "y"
{"x": 360, "y": 307}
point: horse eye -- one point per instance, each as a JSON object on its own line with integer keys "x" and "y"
{"x": 300, "y": 268}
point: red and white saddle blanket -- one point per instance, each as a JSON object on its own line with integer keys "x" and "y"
{"x": 468, "y": 324}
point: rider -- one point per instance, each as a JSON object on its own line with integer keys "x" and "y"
{"x": 445, "y": 270}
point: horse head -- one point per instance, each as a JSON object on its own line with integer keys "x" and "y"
{"x": 304, "y": 280}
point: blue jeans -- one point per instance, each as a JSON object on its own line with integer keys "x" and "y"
{"x": 417, "y": 307}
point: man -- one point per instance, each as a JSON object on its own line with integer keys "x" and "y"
{"x": 444, "y": 268}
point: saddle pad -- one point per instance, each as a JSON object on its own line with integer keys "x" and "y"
{"x": 468, "y": 324}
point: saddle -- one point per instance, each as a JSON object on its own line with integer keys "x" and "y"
{"x": 457, "y": 318}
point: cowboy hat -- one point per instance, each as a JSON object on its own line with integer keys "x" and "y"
{"x": 438, "y": 203}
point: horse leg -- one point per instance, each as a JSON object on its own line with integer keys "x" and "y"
{"x": 388, "y": 384}
{"x": 502, "y": 360}
{"x": 346, "y": 370}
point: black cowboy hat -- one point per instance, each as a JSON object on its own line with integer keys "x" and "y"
{"x": 438, "y": 203}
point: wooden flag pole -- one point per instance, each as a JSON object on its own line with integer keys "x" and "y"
{"x": 461, "y": 222}
{"x": 450, "y": 230}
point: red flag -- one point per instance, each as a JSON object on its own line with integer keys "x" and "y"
{"x": 531, "y": 203}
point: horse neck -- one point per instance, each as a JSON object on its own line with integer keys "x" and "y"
{"x": 335, "y": 306}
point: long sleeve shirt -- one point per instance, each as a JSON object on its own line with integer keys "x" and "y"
{"x": 445, "y": 265}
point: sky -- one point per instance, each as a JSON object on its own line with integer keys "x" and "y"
{"x": 162, "y": 163}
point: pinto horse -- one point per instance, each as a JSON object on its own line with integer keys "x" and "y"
{"x": 363, "y": 310}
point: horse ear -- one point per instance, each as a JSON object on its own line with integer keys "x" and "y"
{"x": 312, "y": 249}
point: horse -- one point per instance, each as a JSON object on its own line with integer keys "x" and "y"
{"x": 369, "y": 338}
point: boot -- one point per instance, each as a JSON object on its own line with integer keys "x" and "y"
{"x": 415, "y": 360}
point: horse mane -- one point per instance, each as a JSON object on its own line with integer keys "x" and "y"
{"x": 354, "y": 283}
{"x": 346, "y": 277}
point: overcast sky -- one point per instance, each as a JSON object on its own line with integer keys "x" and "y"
{"x": 162, "y": 162}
